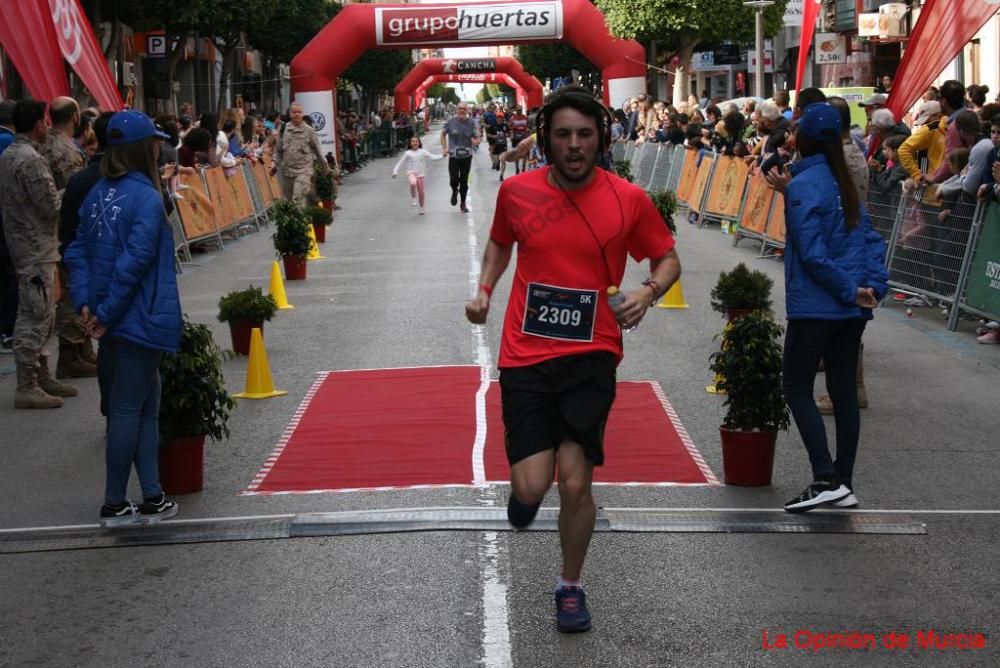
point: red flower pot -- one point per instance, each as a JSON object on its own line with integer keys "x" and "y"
{"x": 182, "y": 465}
{"x": 747, "y": 456}
{"x": 295, "y": 267}
{"x": 240, "y": 331}
{"x": 320, "y": 231}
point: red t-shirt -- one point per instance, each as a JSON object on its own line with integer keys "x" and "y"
{"x": 559, "y": 261}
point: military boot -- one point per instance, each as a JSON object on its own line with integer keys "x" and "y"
{"x": 28, "y": 394}
{"x": 49, "y": 384}
{"x": 71, "y": 365}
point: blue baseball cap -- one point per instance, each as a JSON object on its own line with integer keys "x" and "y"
{"x": 821, "y": 122}
{"x": 130, "y": 126}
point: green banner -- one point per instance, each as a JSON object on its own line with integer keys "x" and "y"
{"x": 853, "y": 96}
{"x": 983, "y": 292}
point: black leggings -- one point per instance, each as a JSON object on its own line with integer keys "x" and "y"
{"x": 458, "y": 170}
{"x": 837, "y": 343}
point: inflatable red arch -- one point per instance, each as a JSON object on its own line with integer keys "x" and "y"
{"x": 428, "y": 67}
{"x": 420, "y": 94}
{"x": 359, "y": 27}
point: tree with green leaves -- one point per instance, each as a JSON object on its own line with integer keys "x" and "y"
{"x": 225, "y": 22}
{"x": 444, "y": 92}
{"x": 377, "y": 72}
{"x": 682, "y": 25}
{"x": 293, "y": 24}
{"x": 549, "y": 61}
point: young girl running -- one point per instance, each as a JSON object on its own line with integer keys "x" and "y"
{"x": 415, "y": 159}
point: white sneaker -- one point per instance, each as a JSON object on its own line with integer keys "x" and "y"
{"x": 849, "y": 501}
{"x": 421, "y": 212}
{"x": 413, "y": 203}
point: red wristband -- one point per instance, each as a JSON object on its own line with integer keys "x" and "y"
{"x": 487, "y": 289}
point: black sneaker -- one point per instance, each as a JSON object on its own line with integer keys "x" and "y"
{"x": 572, "y": 615}
{"x": 454, "y": 197}
{"x": 6, "y": 345}
{"x": 120, "y": 515}
{"x": 157, "y": 510}
{"x": 818, "y": 493}
{"x": 520, "y": 515}
{"x": 464, "y": 208}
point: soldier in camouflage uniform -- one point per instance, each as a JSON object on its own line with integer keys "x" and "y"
{"x": 77, "y": 358}
{"x": 298, "y": 151}
{"x": 30, "y": 208}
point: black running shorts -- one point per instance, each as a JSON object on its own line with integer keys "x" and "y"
{"x": 565, "y": 398}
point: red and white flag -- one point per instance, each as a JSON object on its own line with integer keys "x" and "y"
{"x": 943, "y": 29}
{"x": 79, "y": 47}
{"x": 28, "y": 36}
{"x": 810, "y": 12}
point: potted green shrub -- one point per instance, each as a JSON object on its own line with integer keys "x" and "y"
{"x": 324, "y": 188}
{"x": 194, "y": 404}
{"x": 291, "y": 238}
{"x": 320, "y": 218}
{"x": 748, "y": 370}
{"x": 244, "y": 310}
{"x": 624, "y": 169}
{"x": 741, "y": 291}
{"x": 665, "y": 202}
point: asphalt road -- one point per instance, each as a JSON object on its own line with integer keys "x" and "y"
{"x": 392, "y": 294}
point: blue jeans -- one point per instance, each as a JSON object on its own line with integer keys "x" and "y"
{"x": 837, "y": 343}
{"x": 132, "y": 374}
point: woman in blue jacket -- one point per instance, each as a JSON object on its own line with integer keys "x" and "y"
{"x": 124, "y": 285}
{"x": 834, "y": 276}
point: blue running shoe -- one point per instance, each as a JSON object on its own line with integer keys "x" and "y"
{"x": 572, "y": 615}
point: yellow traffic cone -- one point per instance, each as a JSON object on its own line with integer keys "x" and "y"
{"x": 714, "y": 387}
{"x": 259, "y": 383}
{"x": 313, "y": 247}
{"x": 674, "y": 297}
{"x": 277, "y": 288}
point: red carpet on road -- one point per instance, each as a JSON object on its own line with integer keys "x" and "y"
{"x": 417, "y": 427}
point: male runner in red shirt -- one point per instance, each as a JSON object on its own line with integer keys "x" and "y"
{"x": 573, "y": 224}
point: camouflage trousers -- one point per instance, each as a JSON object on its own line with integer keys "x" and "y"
{"x": 36, "y": 312}
{"x": 297, "y": 186}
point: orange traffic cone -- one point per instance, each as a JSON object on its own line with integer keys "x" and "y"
{"x": 259, "y": 383}
{"x": 674, "y": 297}
{"x": 313, "y": 247}
{"x": 277, "y": 288}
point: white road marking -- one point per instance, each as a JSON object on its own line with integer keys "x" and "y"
{"x": 496, "y": 649}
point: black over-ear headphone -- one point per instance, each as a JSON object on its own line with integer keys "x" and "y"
{"x": 585, "y": 99}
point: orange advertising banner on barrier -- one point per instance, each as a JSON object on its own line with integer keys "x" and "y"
{"x": 726, "y": 191}
{"x": 776, "y": 223}
{"x": 260, "y": 178}
{"x": 196, "y": 209}
{"x": 701, "y": 182}
{"x": 758, "y": 206}
{"x": 237, "y": 184}
{"x": 688, "y": 172}
{"x": 272, "y": 178}
{"x": 222, "y": 197}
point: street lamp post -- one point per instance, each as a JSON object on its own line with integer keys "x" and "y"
{"x": 759, "y": 5}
